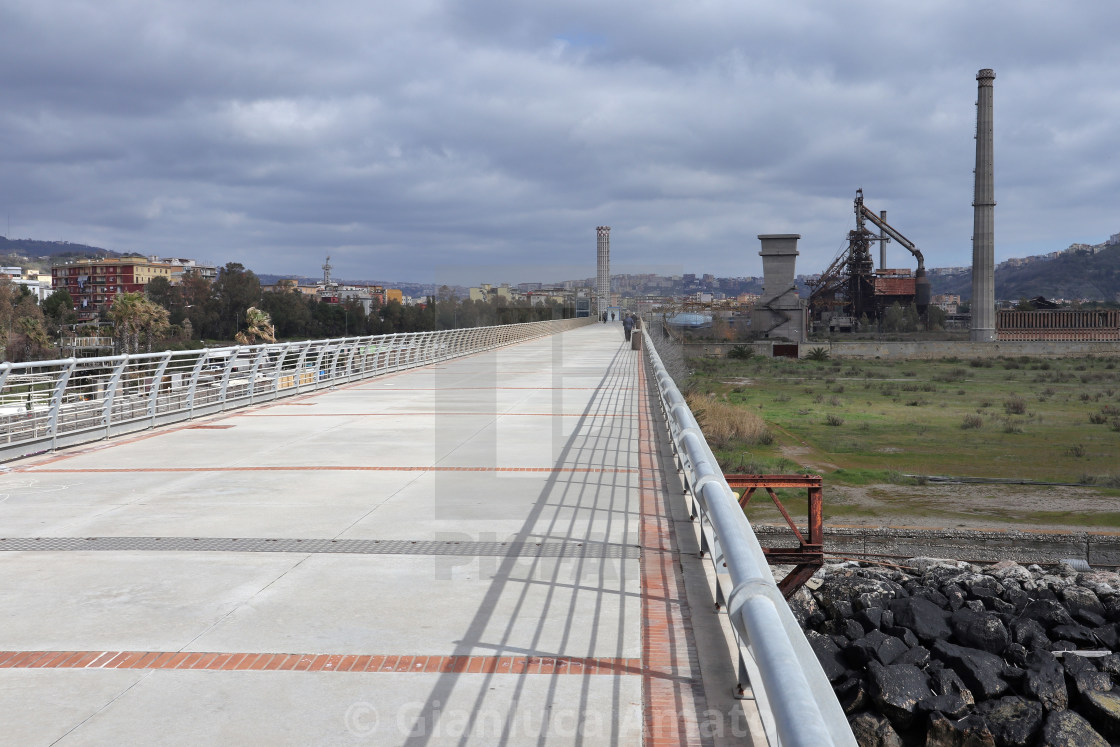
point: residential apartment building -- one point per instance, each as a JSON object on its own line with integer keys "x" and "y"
{"x": 94, "y": 283}
{"x": 38, "y": 283}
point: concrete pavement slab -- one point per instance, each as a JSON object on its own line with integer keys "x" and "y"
{"x": 300, "y": 708}
{"x": 41, "y": 706}
{"x": 483, "y": 605}
{"x": 75, "y": 601}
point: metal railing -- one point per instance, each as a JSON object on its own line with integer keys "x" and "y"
{"x": 796, "y": 701}
{"x": 46, "y": 405}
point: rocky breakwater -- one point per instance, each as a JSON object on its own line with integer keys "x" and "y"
{"x": 947, "y": 653}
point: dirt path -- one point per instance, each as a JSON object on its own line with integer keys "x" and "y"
{"x": 803, "y": 455}
{"x": 973, "y": 506}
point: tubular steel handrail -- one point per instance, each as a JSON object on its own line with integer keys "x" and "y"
{"x": 796, "y": 701}
{"x": 47, "y": 405}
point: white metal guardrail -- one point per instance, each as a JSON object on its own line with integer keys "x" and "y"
{"x": 52, "y": 404}
{"x": 797, "y": 703}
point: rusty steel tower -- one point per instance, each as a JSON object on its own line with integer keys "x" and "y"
{"x": 983, "y": 218}
{"x": 603, "y": 279}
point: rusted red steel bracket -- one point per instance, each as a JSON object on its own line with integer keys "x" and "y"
{"x": 809, "y": 555}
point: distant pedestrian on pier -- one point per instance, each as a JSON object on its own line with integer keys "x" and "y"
{"x": 628, "y": 326}
{"x": 604, "y": 317}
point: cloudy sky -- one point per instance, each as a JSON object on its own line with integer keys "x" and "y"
{"x": 483, "y": 140}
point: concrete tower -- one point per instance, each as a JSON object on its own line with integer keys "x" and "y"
{"x": 779, "y": 313}
{"x": 983, "y": 218}
{"x": 603, "y": 284}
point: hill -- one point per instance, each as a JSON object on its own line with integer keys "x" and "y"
{"x": 33, "y": 249}
{"x": 1081, "y": 272}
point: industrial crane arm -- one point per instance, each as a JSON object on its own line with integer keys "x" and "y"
{"x": 862, "y": 211}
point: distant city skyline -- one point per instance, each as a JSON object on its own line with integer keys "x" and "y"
{"x": 422, "y": 140}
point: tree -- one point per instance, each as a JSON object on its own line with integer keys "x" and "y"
{"x": 235, "y": 290}
{"x": 258, "y": 327}
{"x": 134, "y": 318}
{"x": 893, "y": 318}
{"x": 289, "y": 312}
{"x": 160, "y": 290}
{"x": 935, "y": 318}
{"x": 58, "y": 308}
{"x": 199, "y": 307}
{"x": 30, "y": 341}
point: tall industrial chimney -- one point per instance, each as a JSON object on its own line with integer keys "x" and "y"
{"x": 983, "y": 218}
{"x": 603, "y": 284}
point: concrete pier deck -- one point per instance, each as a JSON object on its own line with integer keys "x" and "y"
{"x": 483, "y": 551}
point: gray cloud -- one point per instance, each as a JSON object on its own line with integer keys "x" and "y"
{"x": 415, "y": 138}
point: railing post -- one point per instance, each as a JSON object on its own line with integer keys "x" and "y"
{"x": 192, "y": 387}
{"x": 280, "y": 368}
{"x": 157, "y": 378}
{"x": 230, "y": 361}
{"x": 254, "y": 370}
{"x": 56, "y": 400}
{"x": 301, "y": 364}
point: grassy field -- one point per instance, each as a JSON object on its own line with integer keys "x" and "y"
{"x": 896, "y": 422}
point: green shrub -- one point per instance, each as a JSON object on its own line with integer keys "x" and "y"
{"x": 817, "y": 354}
{"x": 972, "y": 422}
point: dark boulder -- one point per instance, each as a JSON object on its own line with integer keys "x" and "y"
{"x": 955, "y": 595}
{"x": 852, "y": 694}
{"x": 804, "y": 606}
{"x": 917, "y": 656}
{"x": 921, "y": 616}
{"x": 952, "y": 706}
{"x": 945, "y": 681}
{"x": 1048, "y": 612}
{"x": 844, "y": 585}
{"x": 980, "y": 670}
{"x": 1046, "y": 681}
{"x": 1016, "y": 654}
{"x": 1083, "y": 677}
{"x": 995, "y": 604}
{"x": 1103, "y": 711}
{"x": 1111, "y": 665}
{"x": 1017, "y": 598}
{"x": 1108, "y": 635}
{"x": 905, "y": 634}
{"x": 1078, "y": 599}
{"x": 970, "y": 731}
{"x": 1068, "y": 729}
{"x": 1030, "y": 633}
{"x": 1111, "y": 604}
{"x": 870, "y": 618}
{"x": 844, "y": 626}
{"x": 985, "y": 631}
{"x": 931, "y": 594}
{"x": 1078, "y": 634}
{"x": 829, "y": 655}
{"x": 871, "y": 730}
{"x": 896, "y": 689}
{"x": 875, "y": 645}
{"x": 1013, "y": 721}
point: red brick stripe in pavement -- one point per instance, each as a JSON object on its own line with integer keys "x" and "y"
{"x": 334, "y": 468}
{"x": 672, "y": 692}
{"x": 258, "y": 661}
{"x": 429, "y": 413}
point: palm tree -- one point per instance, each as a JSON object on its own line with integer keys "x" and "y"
{"x": 258, "y": 326}
{"x": 134, "y": 315}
